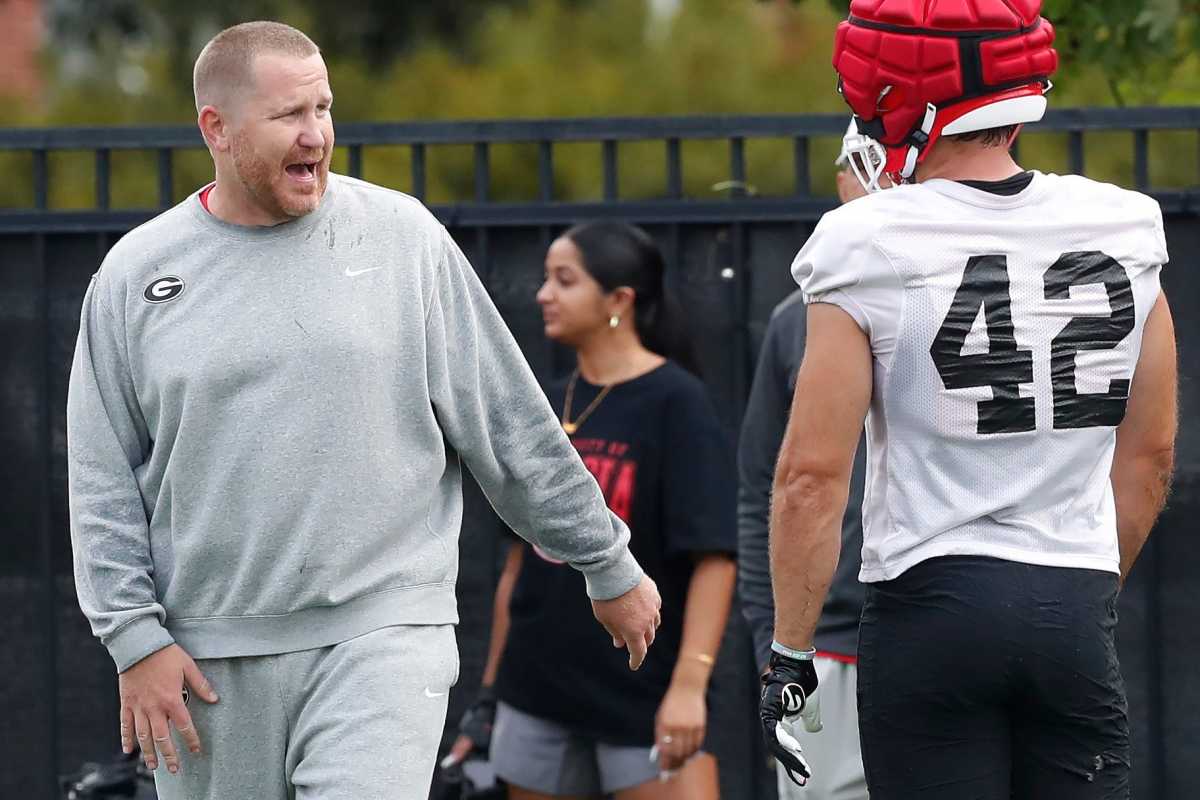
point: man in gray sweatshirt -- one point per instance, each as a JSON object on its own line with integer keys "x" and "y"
{"x": 274, "y": 384}
{"x": 835, "y": 750}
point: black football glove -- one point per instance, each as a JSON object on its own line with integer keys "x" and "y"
{"x": 789, "y": 691}
{"x": 476, "y": 723}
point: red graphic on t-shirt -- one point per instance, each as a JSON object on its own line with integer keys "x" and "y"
{"x": 614, "y": 471}
{"x": 616, "y": 478}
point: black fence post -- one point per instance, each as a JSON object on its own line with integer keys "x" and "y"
{"x": 800, "y": 158}
{"x": 1141, "y": 160}
{"x": 166, "y": 178}
{"x": 41, "y": 180}
{"x": 1075, "y": 150}
{"x": 418, "y": 171}
{"x": 545, "y": 171}
{"x": 609, "y": 160}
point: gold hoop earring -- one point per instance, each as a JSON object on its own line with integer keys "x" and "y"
{"x": 614, "y": 321}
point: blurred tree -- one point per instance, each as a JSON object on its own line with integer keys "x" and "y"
{"x": 550, "y": 58}
{"x": 377, "y": 31}
{"x": 1136, "y": 45}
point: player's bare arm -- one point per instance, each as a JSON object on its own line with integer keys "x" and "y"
{"x": 1145, "y": 454}
{"x": 833, "y": 391}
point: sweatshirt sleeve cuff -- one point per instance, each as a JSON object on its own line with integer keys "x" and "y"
{"x": 140, "y": 638}
{"x": 614, "y": 579}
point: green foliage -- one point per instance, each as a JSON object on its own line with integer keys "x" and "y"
{"x": 378, "y": 31}
{"x": 1133, "y": 47}
{"x": 1136, "y": 47}
{"x": 550, "y": 58}
{"x": 608, "y": 59}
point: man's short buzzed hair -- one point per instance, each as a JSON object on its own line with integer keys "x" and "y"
{"x": 224, "y": 65}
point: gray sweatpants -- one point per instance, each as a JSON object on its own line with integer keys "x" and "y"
{"x": 361, "y": 719}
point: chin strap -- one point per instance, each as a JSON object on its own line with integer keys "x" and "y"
{"x": 917, "y": 141}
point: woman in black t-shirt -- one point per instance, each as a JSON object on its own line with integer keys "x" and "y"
{"x": 573, "y": 720}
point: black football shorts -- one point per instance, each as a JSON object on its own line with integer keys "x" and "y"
{"x": 989, "y": 679}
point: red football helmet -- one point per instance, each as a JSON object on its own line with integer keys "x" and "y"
{"x": 912, "y": 70}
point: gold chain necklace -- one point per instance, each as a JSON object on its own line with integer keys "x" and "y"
{"x": 569, "y": 426}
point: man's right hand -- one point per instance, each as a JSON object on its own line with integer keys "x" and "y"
{"x": 632, "y": 618}
{"x": 789, "y": 691}
{"x": 152, "y": 701}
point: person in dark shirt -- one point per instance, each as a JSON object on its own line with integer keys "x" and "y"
{"x": 572, "y": 720}
{"x": 836, "y": 748}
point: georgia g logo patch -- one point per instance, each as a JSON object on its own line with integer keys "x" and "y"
{"x": 163, "y": 289}
{"x": 793, "y": 699}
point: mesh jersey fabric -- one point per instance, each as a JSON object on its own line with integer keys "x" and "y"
{"x": 945, "y": 474}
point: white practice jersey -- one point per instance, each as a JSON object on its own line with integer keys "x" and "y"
{"x": 1005, "y": 331}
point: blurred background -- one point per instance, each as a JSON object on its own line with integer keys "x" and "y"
{"x": 107, "y": 62}
{"x": 713, "y": 123}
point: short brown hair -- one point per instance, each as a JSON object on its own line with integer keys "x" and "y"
{"x": 991, "y": 137}
{"x": 225, "y": 62}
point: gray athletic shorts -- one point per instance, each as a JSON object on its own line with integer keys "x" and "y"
{"x": 543, "y": 756}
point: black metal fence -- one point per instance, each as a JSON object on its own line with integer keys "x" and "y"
{"x": 728, "y": 258}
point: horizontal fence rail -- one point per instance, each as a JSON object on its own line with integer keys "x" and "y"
{"x": 480, "y": 209}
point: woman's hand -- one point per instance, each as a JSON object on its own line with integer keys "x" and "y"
{"x": 475, "y": 728}
{"x": 680, "y": 724}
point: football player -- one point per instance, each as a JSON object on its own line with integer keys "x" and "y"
{"x": 1005, "y": 337}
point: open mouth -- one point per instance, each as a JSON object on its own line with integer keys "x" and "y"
{"x": 303, "y": 170}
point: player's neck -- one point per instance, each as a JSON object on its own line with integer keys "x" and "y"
{"x": 613, "y": 357}
{"x": 967, "y": 161}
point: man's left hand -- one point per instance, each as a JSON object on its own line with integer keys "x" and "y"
{"x": 632, "y": 619}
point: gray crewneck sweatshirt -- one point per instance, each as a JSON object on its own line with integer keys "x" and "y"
{"x": 264, "y": 430}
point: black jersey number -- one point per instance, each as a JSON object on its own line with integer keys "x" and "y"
{"x": 1072, "y": 409}
{"x": 1004, "y": 366}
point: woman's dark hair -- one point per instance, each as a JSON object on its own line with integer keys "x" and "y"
{"x": 617, "y": 254}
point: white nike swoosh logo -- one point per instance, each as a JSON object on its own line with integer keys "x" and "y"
{"x": 432, "y": 694}
{"x": 350, "y": 273}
